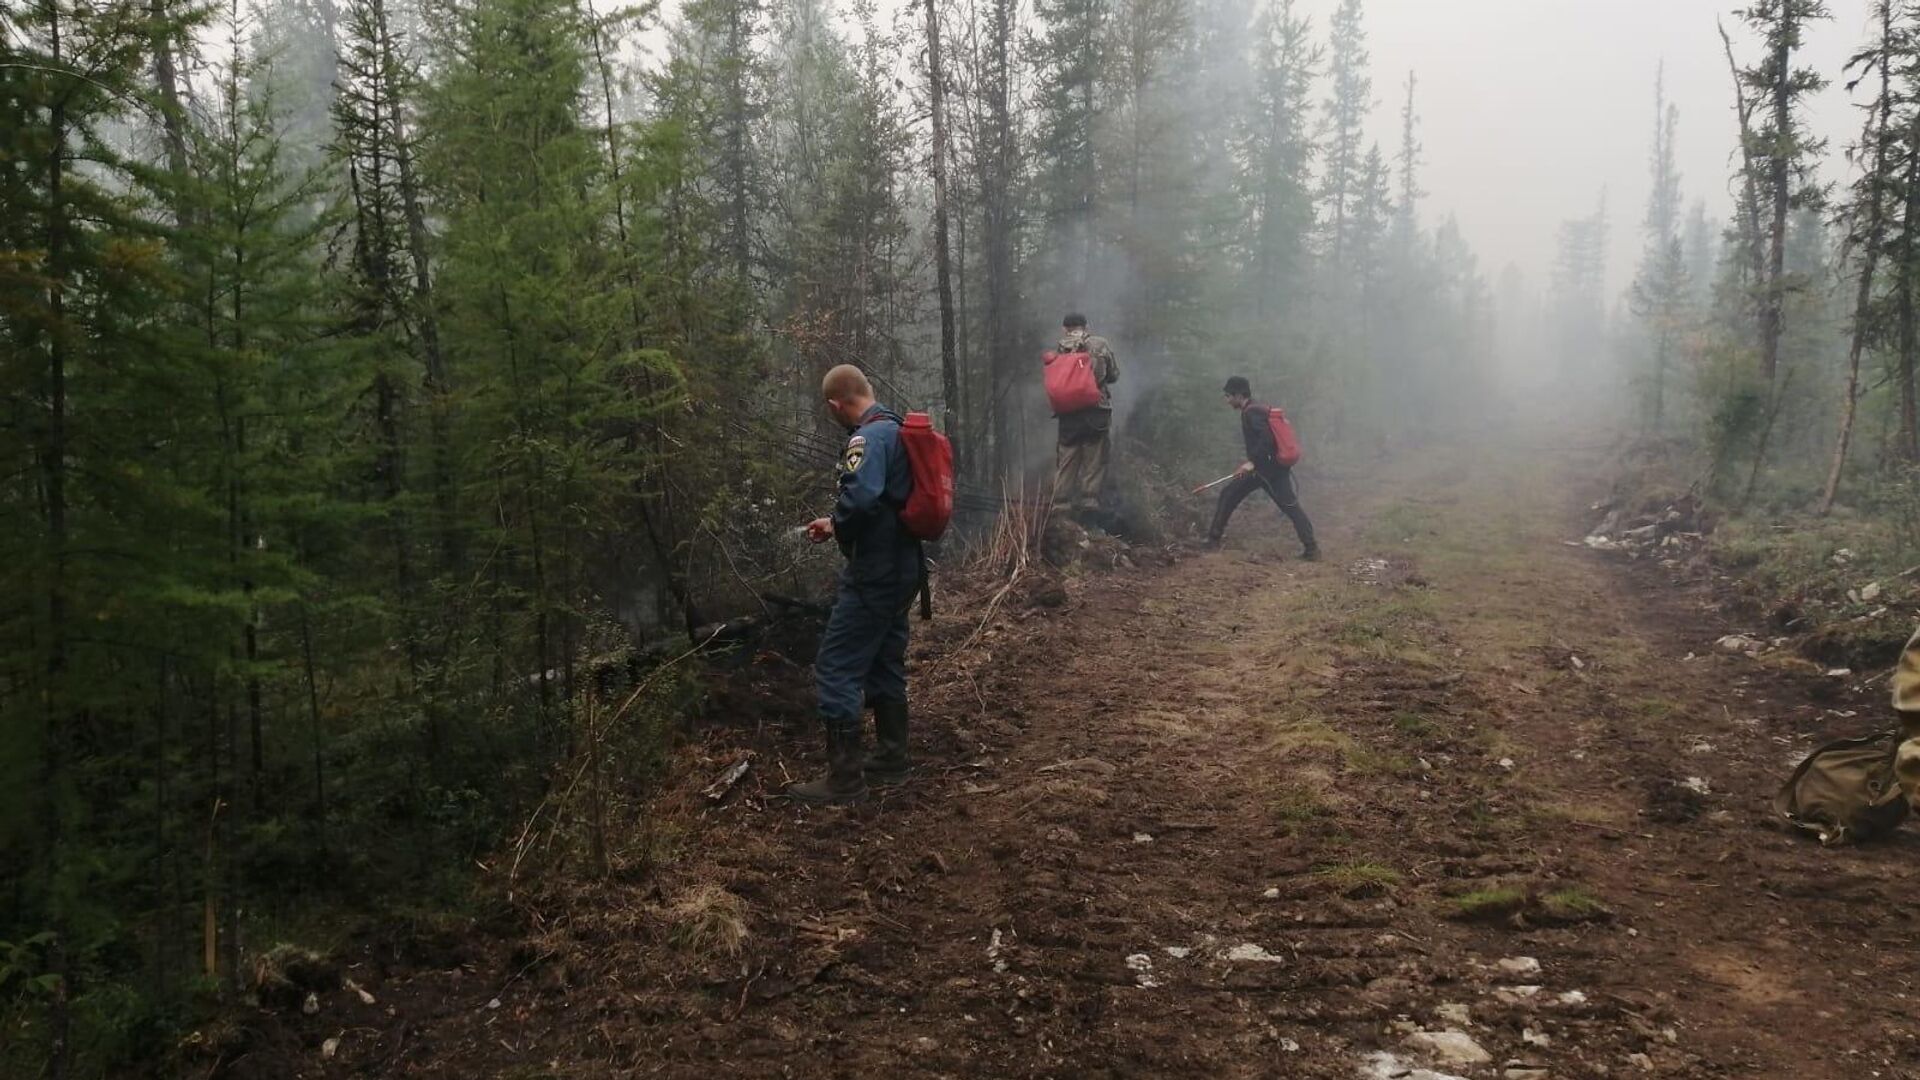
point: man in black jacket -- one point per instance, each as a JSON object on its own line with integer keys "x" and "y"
{"x": 1262, "y": 469}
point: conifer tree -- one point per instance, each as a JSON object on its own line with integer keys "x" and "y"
{"x": 1275, "y": 156}
{"x": 1660, "y": 289}
{"x": 1070, "y": 59}
{"x": 1781, "y": 152}
{"x": 1343, "y": 124}
{"x": 81, "y": 283}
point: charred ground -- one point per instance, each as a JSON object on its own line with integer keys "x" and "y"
{"x": 1229, "y": 815}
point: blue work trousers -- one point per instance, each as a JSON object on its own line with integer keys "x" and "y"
{"x": 863, "y": 654}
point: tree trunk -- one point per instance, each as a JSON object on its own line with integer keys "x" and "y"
{"x": 1660, "y": 348}
{"x": 53, "y": 464}
{"x": 437, "y": 381}
{"x": 1903, "y": 287}
{"x": 166, "y": 79}
{"x": 313, "y": 721}
{"x": 943, "y": 257}
{"x": 737, "y": 149}
{"x": 997, "y": 235}
{"x": 1869, "y": 257}
{"x": 1750, "y": 185}
{"x": 1778, "y": 187}
{"x": 1777, "y": 401}
{"x": 651, "y": 504}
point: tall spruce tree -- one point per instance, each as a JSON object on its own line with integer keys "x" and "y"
{"x": 1781, "y": 152}
{"x": 1070, "y": 58}
{"x": 1343, "y": 125}
{"x": 1275, "y": 155}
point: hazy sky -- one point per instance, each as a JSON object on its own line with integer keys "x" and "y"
{"x": 1529, "y": 107}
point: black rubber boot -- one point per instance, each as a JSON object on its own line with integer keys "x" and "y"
{"x": 1312, "y": 553}
{"x": 888, "y": 763}
{"x": 842, "y": 782}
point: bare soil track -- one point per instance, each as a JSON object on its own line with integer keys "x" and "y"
{"x": 1241, "y": 816}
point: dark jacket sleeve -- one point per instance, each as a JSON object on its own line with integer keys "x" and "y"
{"x": 1258, "y": 434}
{"x": 862, "y": 481}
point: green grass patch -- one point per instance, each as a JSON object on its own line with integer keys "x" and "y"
{"x": 1399, "y": 523}
{"x": 1295, "y": 728}
{"x": 1573, "y": 904}
{"x": 1357, "y": 879}
{"x": 1368, "y": 761}
{"x": 1360, "y": 633}
{"x": 1496, "y": 903}
{"x": 1413, "y": 725}
{"x": 1655, "y": 708}
{"x": 1297, "y": 806}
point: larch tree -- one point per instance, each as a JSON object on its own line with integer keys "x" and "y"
{"x": 1781, "y": 152}
{"x": 1660, "y": 291}
{"x": 1867, "y": 212}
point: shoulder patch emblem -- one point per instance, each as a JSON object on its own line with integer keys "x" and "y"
{"x": 856, "y": 453}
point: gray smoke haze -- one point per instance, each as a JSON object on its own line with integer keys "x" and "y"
{"x": 1529, "y": 108}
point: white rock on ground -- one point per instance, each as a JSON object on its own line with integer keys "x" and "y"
{"x": 1519, "y": 965}
{"x": 1455, "y": 1013}
{"x": 1382, "y": 1065}
{"x": 1142, "y": 967}
{"x": 1449, "y": 1047}
{"x": 1248, "y": 951}
{"x": 1515, "y": 995}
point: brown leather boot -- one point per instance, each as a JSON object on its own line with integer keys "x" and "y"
{"x": 888, "y": 763}
{"x": 842, "y": 782}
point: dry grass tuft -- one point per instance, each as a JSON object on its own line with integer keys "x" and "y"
{"x": 708, "y": 919}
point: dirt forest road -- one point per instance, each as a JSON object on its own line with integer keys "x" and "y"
{"x": 1455, "y": 799}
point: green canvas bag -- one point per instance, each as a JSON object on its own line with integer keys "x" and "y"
{"x": 1845, "y": 791}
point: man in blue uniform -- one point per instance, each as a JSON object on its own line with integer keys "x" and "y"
{"x": 863, "y": 654}
{"x": 1261, "y": 471}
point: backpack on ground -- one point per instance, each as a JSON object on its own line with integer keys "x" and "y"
{"x": 1845, "y": 791}
{"x": 1286, "y": 444}
{"x": 930, "y": 459}
{"x": 1071, "y": 386}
